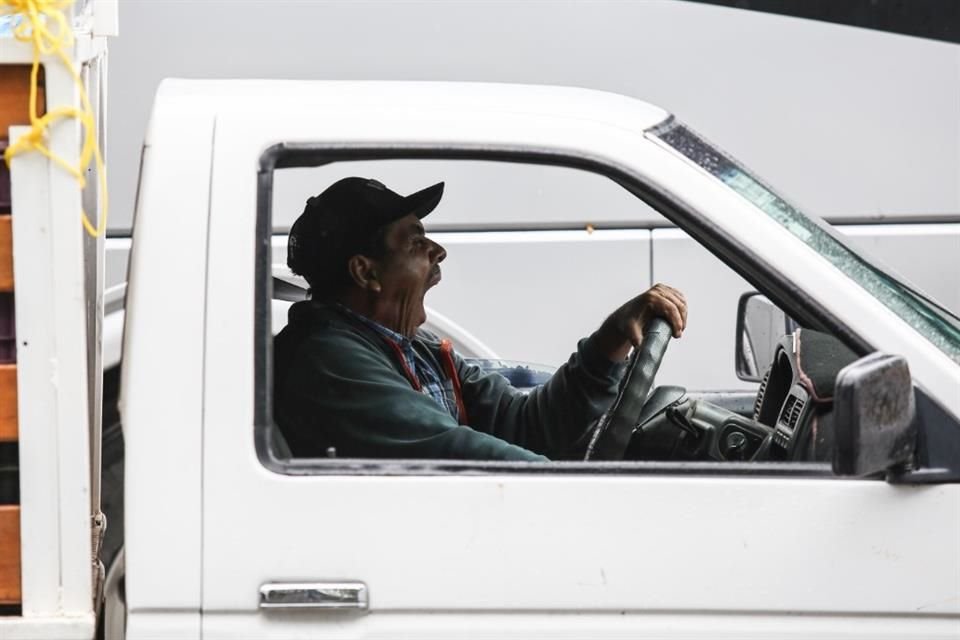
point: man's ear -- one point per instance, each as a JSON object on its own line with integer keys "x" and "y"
{"x": 363, "y": 272}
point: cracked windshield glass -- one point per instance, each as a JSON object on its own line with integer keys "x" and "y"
{"x": 935, "y": 323}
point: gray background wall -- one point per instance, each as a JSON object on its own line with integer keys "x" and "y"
{"x": 846, "y": 122}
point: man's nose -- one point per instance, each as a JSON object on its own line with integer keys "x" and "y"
{"x": 437, "y": 252}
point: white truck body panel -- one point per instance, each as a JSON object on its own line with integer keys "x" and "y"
{"x": 161, "y": 402}
{"x": 739, "y": 554}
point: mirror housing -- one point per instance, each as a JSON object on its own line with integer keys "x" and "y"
{"x": 760, "y": 325}
{"x": 875, "y": 426}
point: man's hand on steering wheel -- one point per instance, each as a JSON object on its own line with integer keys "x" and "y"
{"x": 623, "y": 329}
{"x": 661, "y": 310}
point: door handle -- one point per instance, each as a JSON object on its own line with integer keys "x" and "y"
{"x": 314, "y": 595}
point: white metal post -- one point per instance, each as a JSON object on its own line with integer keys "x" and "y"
{"x": 36, "y": 384}
{"x": 70, "y": 335}
{"x": 53, "y": 389}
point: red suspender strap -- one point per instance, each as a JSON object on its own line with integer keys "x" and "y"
{"x": 403, "y": 363}
{"x": 446, "y": 357}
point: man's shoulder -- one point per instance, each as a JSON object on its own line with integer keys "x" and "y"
{"x": 319, "y": 328}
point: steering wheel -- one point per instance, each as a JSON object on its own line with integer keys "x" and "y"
{"x": 615, "y": 428}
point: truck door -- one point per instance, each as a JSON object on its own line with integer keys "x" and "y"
{"x": 339, "y": 548}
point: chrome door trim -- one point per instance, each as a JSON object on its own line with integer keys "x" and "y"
{"x": 314, "y": 595}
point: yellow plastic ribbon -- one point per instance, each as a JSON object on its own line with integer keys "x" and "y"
{"x": 47, "y": 28}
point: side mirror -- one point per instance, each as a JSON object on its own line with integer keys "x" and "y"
{"x": 760, "y": 325}
{"x": 875, "y": 425}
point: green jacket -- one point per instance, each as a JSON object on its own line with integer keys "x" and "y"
{"x": 339, "y": 384}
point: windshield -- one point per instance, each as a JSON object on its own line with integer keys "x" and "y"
{"x": 931, "y": 320}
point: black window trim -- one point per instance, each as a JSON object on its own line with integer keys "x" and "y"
{"x": 724, "y": 246}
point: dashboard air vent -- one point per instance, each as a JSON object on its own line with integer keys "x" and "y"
{"x": 796, "y": 410}
{"x": 791, "y": 412}
{"x": 758, "y": 404}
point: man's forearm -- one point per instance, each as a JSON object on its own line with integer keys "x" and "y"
{"x": 609, "y": 341}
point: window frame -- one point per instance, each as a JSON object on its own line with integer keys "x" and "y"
{"x": 724, "y": 246}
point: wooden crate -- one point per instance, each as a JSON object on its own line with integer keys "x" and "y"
{"x": 6, "y": 253}
{"x": 5, "y": 205}
{"x": 14, "y": 110}
{"x": 8, "y": 403}
{"x": 9, "y": 555}
{"x": 15, "y": 96}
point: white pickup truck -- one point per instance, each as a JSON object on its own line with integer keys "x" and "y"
{"x": 825, "y": 502}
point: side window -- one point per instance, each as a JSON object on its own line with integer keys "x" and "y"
{"x": 535, "y": 258}
{"x": 536, "y": 255}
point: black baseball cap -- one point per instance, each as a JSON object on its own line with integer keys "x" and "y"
{"x": 342, "y": 222}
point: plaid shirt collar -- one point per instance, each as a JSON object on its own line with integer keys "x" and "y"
{"x": 390, "y": 334}
{"x": 429, "y": 378}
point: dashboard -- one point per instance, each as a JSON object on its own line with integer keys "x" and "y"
{"x": 792, "y": 414}
{"x": 795, "y": 397}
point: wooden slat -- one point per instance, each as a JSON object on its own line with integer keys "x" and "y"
{"x": 6, "y": 254}
{"x": 8, "y": 403}
{"x": 15, "y": 96}
{"x": 4, "y": 181}
{"x": 14, "y": 110}
{"x": 9, "y": 554}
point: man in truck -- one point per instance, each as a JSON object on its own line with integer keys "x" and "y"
{"x": 356, "y": 376}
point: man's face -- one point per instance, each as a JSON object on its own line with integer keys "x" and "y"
{"x": 410, "y": 266}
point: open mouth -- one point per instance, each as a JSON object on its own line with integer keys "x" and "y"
{"x": 435, "y": 277}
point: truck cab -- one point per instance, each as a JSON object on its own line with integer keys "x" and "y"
{"x": 227, "y": 535}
